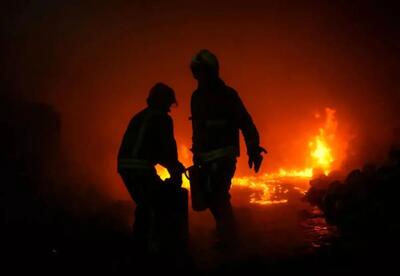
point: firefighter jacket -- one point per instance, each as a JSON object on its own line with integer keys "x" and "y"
{"x": 149, "y": 140}
{"x": 218, "y": 114}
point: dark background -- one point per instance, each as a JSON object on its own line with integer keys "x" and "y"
{"x": 93, "y": 62}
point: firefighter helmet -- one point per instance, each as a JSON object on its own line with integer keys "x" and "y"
{"x": 205, "y": 60}
{"x": 161, "y": 95}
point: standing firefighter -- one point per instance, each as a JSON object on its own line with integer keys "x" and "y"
{"x": 217, "y": 115}
{"x": 149, "y": 140}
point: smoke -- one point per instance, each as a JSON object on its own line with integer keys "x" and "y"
{"x": 95, "y": 61}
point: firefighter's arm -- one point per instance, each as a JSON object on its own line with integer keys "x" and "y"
{"x": 250, "y": 133}
{"x": 169, "y": 153}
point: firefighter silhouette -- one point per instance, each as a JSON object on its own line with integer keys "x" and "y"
{"x": 149, "y": 140}
{"x": 217, "y": 115}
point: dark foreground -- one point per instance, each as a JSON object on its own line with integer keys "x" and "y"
{"x": 275, "y": 239}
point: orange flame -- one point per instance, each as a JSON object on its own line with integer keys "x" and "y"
{"x": 268, "y": 187}
{"x": 320, "y": 149}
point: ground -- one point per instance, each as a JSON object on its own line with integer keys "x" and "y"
{"x": 277, "y": 239}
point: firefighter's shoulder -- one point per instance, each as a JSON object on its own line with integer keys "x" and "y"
{"x": 231, "y": 92}
{"x": 139, "y": 115}
{"x": 136, "y": 119}
{"x": 195, "y": 94}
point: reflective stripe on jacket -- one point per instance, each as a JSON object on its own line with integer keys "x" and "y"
{"x": 132, "y": 163}
{"x": 231, "y": 152}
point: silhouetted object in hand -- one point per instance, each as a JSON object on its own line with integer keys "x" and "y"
{"x": 217, "y": 116}
{"x": 149, "y": 140}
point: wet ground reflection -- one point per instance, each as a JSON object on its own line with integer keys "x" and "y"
{"x": 318, "y": 232}
{"x": 280, "y": 205}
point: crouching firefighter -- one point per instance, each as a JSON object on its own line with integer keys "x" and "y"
{"x": 217, "y": 116}
{"x": 148, "y": 141}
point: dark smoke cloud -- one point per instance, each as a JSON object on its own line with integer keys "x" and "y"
{"x": 94, "y": 61}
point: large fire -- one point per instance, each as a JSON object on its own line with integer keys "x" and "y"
{"x": 269, "y": 188}
{"x": 320, "y": 145}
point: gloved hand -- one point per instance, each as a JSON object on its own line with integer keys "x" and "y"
{"x": 256, "y": 158}
{"x": 173, "y": 182}
{"x": 176, "y": 175}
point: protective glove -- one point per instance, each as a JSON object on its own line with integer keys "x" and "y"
{"x": 256, "y": 158}
{"x": 176, "y": 175}
{"x": 173, "y": 182}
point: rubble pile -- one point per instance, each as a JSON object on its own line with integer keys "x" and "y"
{"x": 367, "y": 197}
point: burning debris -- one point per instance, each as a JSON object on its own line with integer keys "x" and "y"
{"x": 268, "y": 188}
{"x": 366, "y": 197}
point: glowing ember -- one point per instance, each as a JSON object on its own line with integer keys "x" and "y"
{"x": 267, "y": 188}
